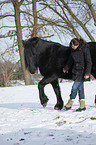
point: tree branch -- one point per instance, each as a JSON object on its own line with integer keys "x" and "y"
{"x": 78, "y": 21}
{"x": 88, "y": 2}
{"x": 7, "y": 15}
{"x": 20, "y": 3}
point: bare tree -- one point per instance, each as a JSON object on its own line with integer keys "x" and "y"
{"x": 6, "y": 70}
{"x": 71, "y": 16}
{"x": 78, "y": 21}
{"x": 29, "y": 79}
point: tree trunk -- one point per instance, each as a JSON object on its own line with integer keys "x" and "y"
{"x": 35, "y": 19}
{"x": 34, "y": 32}
{"x": 17, "y": 5}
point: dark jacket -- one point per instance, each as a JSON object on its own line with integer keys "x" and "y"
{"x": 81, "y": 61}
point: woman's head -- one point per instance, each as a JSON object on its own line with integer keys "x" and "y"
{"x": 75, "y": 42}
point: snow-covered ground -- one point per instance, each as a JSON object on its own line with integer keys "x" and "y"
{"x": 23, "y": 121}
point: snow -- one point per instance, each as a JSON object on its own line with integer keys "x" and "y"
{"x": 23, "y": 121}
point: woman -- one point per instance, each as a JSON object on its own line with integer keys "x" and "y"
{"x": 80, "y": 60}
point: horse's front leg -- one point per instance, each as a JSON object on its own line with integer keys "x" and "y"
{"x": 42, "y": 96}
{"x": 56, "y": 88}
{"x": 41, "y": 85}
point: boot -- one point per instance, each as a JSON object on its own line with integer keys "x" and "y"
{"x": 69, "y": 104}
{"x": 82, "y": 106}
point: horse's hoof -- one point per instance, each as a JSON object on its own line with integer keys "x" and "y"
{"x": 44, "y": 105}
{"x": 57, "y": 108}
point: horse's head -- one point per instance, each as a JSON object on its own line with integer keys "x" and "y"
{"x": 30, "y": 56}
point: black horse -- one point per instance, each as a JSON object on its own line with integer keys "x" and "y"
{"x": 50, "y": 58}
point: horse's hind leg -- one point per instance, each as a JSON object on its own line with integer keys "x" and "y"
{"x": 56, "y": 88}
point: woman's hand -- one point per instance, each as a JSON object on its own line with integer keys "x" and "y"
{"x": 86, "y": 77}
{"x": 65, "y": 71}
